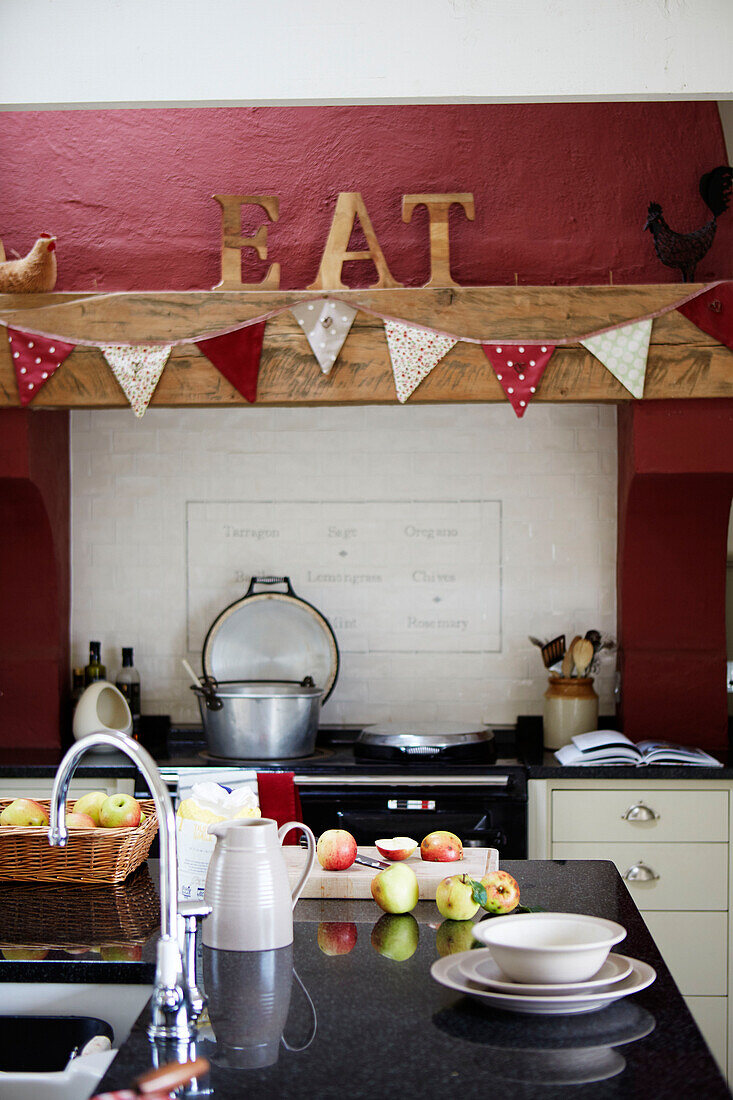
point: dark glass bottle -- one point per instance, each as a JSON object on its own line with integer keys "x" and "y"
{"x": 128, "y": 682}
{"x": 95, "y": 670}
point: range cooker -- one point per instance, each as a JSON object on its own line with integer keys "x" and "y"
{"x": 481, "y": 797}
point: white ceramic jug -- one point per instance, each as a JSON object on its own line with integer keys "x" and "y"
{"x": 247, "y": 885}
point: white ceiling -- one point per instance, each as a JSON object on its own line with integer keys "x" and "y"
{"x": 90, "y": 52}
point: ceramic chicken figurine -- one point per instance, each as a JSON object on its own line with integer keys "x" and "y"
{"x": 34, "y": 273}
{"x": 685, "y": 250}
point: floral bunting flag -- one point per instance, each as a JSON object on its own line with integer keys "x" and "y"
{"x": 326, "y": 325}
{"x": 414, "y": 352}
{"x": 713, "y": 313}
{"x": 35, "y": 359}
{"x": 237, "y": 356}
{"x": 137, "y": 368}
{"x": 519, "y": 369}
{"x": 624, "y": 352}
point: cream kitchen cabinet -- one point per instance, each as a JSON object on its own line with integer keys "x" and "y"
{"x": 41, "y": 788}
{"x": 671, "y": 842}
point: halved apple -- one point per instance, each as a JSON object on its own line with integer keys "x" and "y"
{"x": 398, "y": 848}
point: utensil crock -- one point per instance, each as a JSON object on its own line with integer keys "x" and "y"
{"x": 247, "y": 885}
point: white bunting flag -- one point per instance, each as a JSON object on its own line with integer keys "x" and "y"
{"x": 137, "y": 368}
{"x": 624, "y": 352}
{"x": 414, "y": 352}
{"x": 326, "y": 326}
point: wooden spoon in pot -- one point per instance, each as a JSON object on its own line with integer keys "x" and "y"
{"x": 568, "y": 660}
{"x": 582, "y": 655}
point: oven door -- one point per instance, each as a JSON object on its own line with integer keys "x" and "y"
{"x": 483, "y": 816}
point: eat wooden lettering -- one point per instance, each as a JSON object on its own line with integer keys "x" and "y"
{"x": 350, "y": 208}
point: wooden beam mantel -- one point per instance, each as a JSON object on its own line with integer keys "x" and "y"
{"x": 683, "y": 361}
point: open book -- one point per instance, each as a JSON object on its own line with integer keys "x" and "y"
{"x": 612, "y": 747}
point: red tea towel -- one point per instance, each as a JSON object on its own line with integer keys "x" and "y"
{"x": 279, "y": 799}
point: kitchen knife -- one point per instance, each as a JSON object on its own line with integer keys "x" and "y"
{"x": 380, "y": 864}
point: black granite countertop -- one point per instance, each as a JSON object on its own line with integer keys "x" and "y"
{"x": 22, "y": 763}
{"x": 384, "y": 1028}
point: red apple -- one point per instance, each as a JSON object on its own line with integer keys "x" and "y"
{"x": 441, "y": 847}
{"x": 336, "y": 937}
{"x": 336, "y": 850}
{"x": 79, "y": 821}
{"x": 398, "y": 848}
{"x": 24, "y": 811}
{"x": 502, "y": 892}
{"x": 119, "y": 811}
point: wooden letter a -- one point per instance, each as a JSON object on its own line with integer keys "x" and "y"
{"x": 349, "y": 207}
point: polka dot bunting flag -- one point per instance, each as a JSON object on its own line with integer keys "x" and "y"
{"x": 326, "y": 326}
{"x": 414, "y": 352}
{"x": 624, "y": 352}
{"x": 35, "y": 359}
{"x": 518, "y": 368}
{"x": 137, "y": 368}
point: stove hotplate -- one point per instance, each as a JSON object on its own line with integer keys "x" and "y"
{"x": 318, "y": 755}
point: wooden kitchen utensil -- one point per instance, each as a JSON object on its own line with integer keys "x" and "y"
{"x": 553, "y": 651}
{"x": 582, "y": 655}
{"x": 568, "y": 660}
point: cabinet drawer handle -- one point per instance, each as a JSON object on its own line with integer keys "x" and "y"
{"x": 640, "y": 812}
{"x": 639, "y": 872}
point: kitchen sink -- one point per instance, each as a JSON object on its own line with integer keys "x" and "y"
{"x": 50, "y": 1022}
{"x": 46, "y": 1044}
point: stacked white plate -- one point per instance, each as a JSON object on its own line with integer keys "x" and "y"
{"x": 477, "y": 974}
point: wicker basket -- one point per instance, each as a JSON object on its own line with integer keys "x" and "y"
{"x": 90, "y": 855}
{"x": 67, "y": 915}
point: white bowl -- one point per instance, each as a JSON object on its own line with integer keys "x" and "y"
{"x": 549, "y": 947}
{"x": 101, "y": 706}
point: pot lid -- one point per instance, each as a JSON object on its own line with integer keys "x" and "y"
{"x": 429, "y": 734}
{"x": 271, "y": 636}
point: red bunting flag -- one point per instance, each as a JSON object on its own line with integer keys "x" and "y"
{"x": 237, "y": 355}
{"x": 35, "y": 359}
{"x": 713, "y": 313}
{"x": 519, "y": 369}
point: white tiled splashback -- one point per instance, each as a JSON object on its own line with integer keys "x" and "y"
{"x": 434, "y": 538}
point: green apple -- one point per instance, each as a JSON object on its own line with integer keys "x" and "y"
{"x": 121, "y": 952}
{"x": 119, "y": 811}
{"x": 24, "y": 954}
{"x": 24, "y": 811}
{"x": 395, "y": 889}
{"x": 441, "y": 847}
{"x": 455, "y": 897}
{"x": 395, "y": 935}
{"x": 502, "y": 892}
{"x": 454, "y": 936}
{"x": 90, "y": 803}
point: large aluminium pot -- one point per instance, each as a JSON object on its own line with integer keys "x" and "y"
{"x": 270, "y": 659}
{"x": 260, "y": 719}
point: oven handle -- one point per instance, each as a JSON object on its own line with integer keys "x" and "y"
{"x": 401, "y": 781}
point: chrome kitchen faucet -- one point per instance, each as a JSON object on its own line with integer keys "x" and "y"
{"x": 173, "y": 1009}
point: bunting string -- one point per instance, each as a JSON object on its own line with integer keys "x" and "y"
{"x": 414, "y": 348}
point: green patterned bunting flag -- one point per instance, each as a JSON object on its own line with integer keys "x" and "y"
{"x": 624, "y": 352}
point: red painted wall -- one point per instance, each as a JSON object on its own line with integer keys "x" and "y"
{"x": 561, "y": 190}
{"x": 34, "y": 575}
{"x": 675, "y": 487}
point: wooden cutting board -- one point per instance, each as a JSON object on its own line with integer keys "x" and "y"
{"x": 356, "y": 881}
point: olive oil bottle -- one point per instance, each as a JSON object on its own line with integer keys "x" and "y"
{"x": 95, "y": 670}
